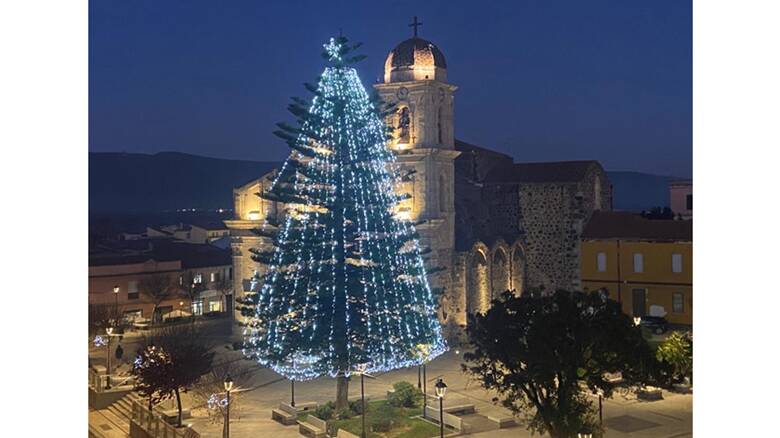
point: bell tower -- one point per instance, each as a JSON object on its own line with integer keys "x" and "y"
{"x": 415, "y": 81}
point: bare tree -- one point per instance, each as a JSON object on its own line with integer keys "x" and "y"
{"x": 210, "y": 390}
{"x": 157, "y": 288}
{"x": 103, "y": 316}
{"x": 224, "y": 285}
{"x": 191, "y": 286}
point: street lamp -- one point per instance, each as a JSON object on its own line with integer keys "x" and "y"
{"x": 441, "y": 389}
{"x": 637, "y": 320}
{"x": 361, "y": 369}
{"x": 109, "y": 331}
{"x": 228, "y": 387}
{"x": 584, "y": 434}
{"x": 425, "y": 389}
{"x": 116, "y": 296}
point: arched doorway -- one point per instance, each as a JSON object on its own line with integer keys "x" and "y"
{"x": 499, "y": 272}
{"x": 518, "y": 270}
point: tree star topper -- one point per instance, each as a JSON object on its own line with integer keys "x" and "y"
{"x": 333, "y": 49}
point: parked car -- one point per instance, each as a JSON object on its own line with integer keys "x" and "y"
{"x": 656, "y": 324}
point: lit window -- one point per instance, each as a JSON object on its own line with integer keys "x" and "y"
{"x": 198, "y": 279}
{"x": 213, "y": 277}
{"x": 215, "y": 306}
{"x": 197, "y": 307}
{"x": 639, "y": 263}
{"x": 676, "y": 262}
{"x": 601, "y": 262}
{"x": 677, "y": 303}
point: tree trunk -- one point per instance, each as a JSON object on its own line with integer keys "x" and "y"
{"x": 342, "y": 392}
{"x": 178, "y": 406}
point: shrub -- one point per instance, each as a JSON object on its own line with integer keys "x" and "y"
{"x": 677, "y": 351}
{"x": 344, "y": 414}
{"x": 405, "y": 395}
{"x": 325, "y": 411}
{"x": 356, "y": 407}
{"x": 381, "y": 425}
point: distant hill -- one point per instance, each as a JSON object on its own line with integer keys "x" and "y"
{"x": 636, "y": 191}
{"x": 121, "y": 183}
{"x": 141, "y": 183}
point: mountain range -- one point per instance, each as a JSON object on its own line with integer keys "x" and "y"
{"x": 124, "y": 183}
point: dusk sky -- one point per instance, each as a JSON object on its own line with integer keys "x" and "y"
{"x": 538, "y": 80}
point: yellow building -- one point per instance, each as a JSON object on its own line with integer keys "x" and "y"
{"x": 644, "y": 264}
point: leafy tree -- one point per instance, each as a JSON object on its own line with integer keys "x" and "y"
{"x": 157, "y": 288}
{"x": 540, "y": 351}
{"x": 677, "y": 351}
{"x": 173, "y": 362}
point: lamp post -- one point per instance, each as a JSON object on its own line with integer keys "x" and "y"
{"x": 228, "y": 387}
{"x": 116, "y": 296}
{"x": 584, "y": 433}
{"x": 361, "y": 369}
{"x": 637, "y": 320}
{"x": 292, "y": 392}
{"x": 109, "y": 331}
{"x": 441, "y": 389}
{"x": 425, "y": 390}
{"x": 601, "y": 412}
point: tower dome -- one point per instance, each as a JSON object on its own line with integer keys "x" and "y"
{"x": 415, "y": 59}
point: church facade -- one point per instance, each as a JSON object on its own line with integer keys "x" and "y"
{"x": 494, "y": 224}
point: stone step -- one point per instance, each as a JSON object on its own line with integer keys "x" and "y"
{"x": 116, "y": 420}
{"x": 117, "y": 416}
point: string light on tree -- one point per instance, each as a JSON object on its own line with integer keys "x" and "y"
{"x": 345, "y": 285}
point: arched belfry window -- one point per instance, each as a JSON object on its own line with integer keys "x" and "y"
{"x": 404, "y": 125}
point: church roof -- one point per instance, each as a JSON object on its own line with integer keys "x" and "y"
{"x": 624, "y": 225}
{"x": 543, "y": 172}
{"x": 416, "y": 51}
{"x": 463, "y": 146}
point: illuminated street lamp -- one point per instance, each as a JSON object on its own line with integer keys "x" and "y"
{"x": 109, "y": 331}
{"x": 228, "y": 387}
{"x": 584, "y": 434}
{"x": 441, "y": 389}
{"x": 637, "y": 320}
{"x": 116, "y": 296}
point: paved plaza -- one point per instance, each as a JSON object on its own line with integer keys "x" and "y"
{"x": 624, "y": 416}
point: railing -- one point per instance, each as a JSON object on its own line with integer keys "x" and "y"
{"x": 97, "y": 381}
{"x": 155, "y": 426}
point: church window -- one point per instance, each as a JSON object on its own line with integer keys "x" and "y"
{"x": 438, "y": 123}
{"x": 442, "y": 194}
{"x": 404, "y": 123}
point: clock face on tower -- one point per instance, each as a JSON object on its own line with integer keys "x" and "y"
{"x": 402, "y": 93}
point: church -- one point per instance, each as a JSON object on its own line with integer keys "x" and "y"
{"x": 494, "y": 224}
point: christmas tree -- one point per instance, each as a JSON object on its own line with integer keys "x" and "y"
{"x": 345, "y": 288}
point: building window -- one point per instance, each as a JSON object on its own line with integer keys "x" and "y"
{"x": 677, "y": 303}
{"x": 601, "y": 262}
{"x": 676, "y": 262}
{"x": 198, "y": 278}
{"x": 132, "y": 315}
{"x": 197, "y": 307}
{"x": 639, "y": 263}
{"x": 215, "y": 306}
{"x": 132, "y": 290}
{"x": 689, "y": 202}
{"x": 213, "y": 277}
